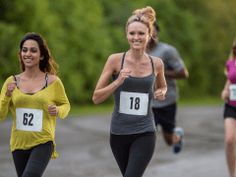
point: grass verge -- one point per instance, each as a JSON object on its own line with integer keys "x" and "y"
{"x": 108, "y": 108}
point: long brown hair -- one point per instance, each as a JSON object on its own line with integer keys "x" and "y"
{"x": 47, "y": 64}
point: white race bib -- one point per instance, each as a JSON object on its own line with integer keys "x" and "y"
{"x": 29, "y": 119}
{"x": 134, "y": 103}
{"x": 232, "y": 93}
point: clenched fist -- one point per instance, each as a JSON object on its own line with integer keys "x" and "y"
{"x": 159, "y": 95}
{"x": 52, "y": 110}
{"x": 10, "y": 88}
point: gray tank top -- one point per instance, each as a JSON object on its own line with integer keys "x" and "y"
{"x": 132, "y": 113}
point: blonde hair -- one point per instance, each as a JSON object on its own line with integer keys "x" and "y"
{"x": 146, "y": 15}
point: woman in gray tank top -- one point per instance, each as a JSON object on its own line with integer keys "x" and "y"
{"x": 137, "y": 79}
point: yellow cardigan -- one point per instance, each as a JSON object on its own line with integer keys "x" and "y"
{"x": 21, "y": 105}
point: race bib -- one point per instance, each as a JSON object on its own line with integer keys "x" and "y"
{"x": 29, "y": 119}
{"x": 134, "y": 103}
{"x": 232, "y": 93}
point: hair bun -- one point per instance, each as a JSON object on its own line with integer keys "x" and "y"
{"x": 148, "y": 12}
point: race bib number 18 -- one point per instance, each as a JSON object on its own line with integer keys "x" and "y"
{"x": 29, "y": 119}
{"x": 134, "y": 103}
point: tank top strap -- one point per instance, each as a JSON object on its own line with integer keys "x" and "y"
{"x": 14, "y": 76}
{"x": 123, "y": 59}
{"x": 152, "y": 64}
{"x": 46, "y": 80}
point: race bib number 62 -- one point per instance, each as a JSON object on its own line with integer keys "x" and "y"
{"x": 134, "y": 103}
{"x": 29, "y": 119}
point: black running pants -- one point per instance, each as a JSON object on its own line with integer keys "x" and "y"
{"x": 133, "y": 152}
{"x": 32, "y": 162}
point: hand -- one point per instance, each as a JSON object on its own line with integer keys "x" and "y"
{"x": 159, "y": 95}
{"x": 225, "y": 94}
{"x": 52, "y": 110}
{"x": 124, "y": 73}
{"x": 10, "y": 88}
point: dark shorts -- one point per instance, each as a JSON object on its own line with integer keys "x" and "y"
{"x": 229, "y": 111}
{"x": 165, "y": 117}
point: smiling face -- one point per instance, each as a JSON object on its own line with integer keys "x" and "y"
{"x": 30, "y": 54}
{"x": 137, "y": 35}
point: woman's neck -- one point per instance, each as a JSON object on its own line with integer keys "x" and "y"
{"x": 136, "y": 54}
{"x": 32, "y": 74}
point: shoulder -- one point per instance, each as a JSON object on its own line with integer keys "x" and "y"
{"x": 10, "y": 79}
{"x": 171, "y": 50}
{"x": 56, "y": 83}
{"x": 158, "y": 62}
{"x": 168, "y": 48}
{"x": 115, "y": 57}
{"x": 114, "y": 61}
{"x": 230, "y": 62}
{"x": 166, "y": 45}
{"x": 52, "y": 78}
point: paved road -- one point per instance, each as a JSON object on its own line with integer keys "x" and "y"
{"x": 83, "y": 145}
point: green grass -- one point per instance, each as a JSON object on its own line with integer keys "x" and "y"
{"x": 108, "y": 108}
{"x": 206, "y": 101}
{"x": 91, "y": 109}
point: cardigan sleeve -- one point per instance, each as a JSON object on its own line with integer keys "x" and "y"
{"x": 4, "y": 100}
{"x": 62, "y": 101}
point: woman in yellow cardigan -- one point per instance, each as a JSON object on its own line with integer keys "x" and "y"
{"x": 35, "y": 98}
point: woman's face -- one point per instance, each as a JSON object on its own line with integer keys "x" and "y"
{"x": 137, "y": 35}
{"x": 30, "y": 54}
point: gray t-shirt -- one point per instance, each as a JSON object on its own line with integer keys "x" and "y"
{"x": 172, "y": 61}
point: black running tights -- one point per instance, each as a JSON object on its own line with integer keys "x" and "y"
{"x": 133, "y": 152}
{"x": 32, "y": 162}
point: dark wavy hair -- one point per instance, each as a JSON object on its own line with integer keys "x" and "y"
{"x": 47, "y": 64}
{"x": 154, "y": 38}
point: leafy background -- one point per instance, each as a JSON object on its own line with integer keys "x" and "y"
{"x": 82, "y": 34}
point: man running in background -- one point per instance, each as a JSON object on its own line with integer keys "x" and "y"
{"x": 165, "y": 111}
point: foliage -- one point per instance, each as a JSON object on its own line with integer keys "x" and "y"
{"x": 82, "y": 34}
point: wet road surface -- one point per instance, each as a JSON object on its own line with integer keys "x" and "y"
{"x": 84, "y": 151}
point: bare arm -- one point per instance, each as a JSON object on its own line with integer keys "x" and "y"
{"x": 5, "y": 97}
{"x": 225, "y": 91}
{"x": 160, "y": 87}
{"x": 103, "y": 88}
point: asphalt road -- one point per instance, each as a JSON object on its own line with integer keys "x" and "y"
{"x": 84, "y": 151}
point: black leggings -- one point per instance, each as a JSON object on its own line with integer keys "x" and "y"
{"x": 32, "y": 162}
{"x": 133, "y": 152}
